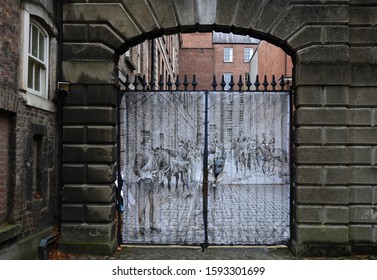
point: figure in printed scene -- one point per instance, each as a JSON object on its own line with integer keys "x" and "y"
{"x": 146, "y": 169}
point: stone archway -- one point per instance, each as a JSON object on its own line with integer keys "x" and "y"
{"x": 334, "y": 190}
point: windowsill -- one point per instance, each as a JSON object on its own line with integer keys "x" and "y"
{"x": 8, "y": 232}
{"x": 38, "y": 102}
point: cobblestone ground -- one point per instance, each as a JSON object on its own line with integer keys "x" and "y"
{"x": 238, "y": 214}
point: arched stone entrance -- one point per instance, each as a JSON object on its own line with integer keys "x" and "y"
{"x": 335, "y": 174}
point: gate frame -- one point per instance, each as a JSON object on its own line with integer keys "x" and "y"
{"x": 174, "y": 87}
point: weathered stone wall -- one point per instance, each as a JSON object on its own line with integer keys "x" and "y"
{"x": 333, "y": 45}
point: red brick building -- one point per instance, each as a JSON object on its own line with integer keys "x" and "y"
{"x": 270, "y": 60}
{"x": 209, "y": 54}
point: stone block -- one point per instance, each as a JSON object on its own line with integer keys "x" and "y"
{"x": 336, "y": 175}
{"x": 333, "y": 53}
{"x": 73, "y": 213}
{"x": 84, "y": 232}
{"x": 363, "y": 175}
{"x": 363, "y": 214}
{"x": 308, "y": 96}
{"x": 321, "y": 116}
{"x": 322, "y": 195}
{"x": 185, "y": 12}
{"x": 98, "y": 213}
{"x": 361, "y": 194}
{"x": 306, "y": 36}
{"x": 363, "y": 75}
{"x": 307, "y": 135}
{"x": 308, "y": 175}
{"x": 335, "y": 34}
{"x": 363, "y": 35}
{"x": 361, "y": 233}
{"x": 77, "y": 96}
{"x": 321, "y": 155}
{"x": 362, "y": 136}
{"x": 308, "y": 214}
{"x": 104, "y": 34}
{"x": 142, "y": 13}
{"x": 73, "y": 173}
{"x": 335, "y": 215}
{"x": 336, "y": 136}
{"x": 75, "y": 32}
{"x": 102, "y": 95}
{"x": 101, "y": 174}
{"x": 73, "y": 134}
{"x": 323, "y": 74}
{"x": 89, "y": 153}
{"x": 363, "y": 96}
{"x": 89, "y": 72}
{"x": 360, "y": 155}
{"x": 360, "y": 117}
{"x": 321, "y": 234}
{"x": 101, "y": 134}
{"x": 89, "y": 193}
{"x": 164, "y": 13}
{"x": 361, "y": 55}
{"x": 335, "y": 96}
{"x": 87, "y": 51}
{"x": 89, "y": 115}
{"x": 362, "y": 16}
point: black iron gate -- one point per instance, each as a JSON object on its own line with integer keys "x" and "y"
{"x": 206, "y": 167}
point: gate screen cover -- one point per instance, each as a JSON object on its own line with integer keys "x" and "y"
{"x": 248, "y": 168}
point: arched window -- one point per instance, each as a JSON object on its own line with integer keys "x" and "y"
{"x": 37, "y": 68}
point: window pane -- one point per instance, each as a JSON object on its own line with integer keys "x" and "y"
{"x": 30, "y": 75}
{"x": 248, "y": 54}
{"x": 34, "y": 42}
{"x": 228, "y": 54}
{"x": 42, "y": 39}
{"x": 37, "y": 78}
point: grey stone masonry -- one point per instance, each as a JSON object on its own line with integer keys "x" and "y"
{"x": 335, "y": 109}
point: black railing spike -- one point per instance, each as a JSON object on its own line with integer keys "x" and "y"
{"x": 240, "y": 83}
{"x": 273, "y": 83}
{"x": 152, "y": 83}
{"x": 136, "y": 82}
{"x": 248, "y": 83}
{"x": 282, "y": 82}
{"x": 257, "y": 83}
{"x": 177, "y": 83}
{"x": 214, "y": 83}
{"x": 144, "y": 83}
{"x": 161, "y": 82}
{"x": 223, "y": 83}
{"x": 194, "y": 82}
{"x": 169, "y": 83}
{"x": 185, "y": 82}
{"x": 265, "y": 83}
{"x": 127, "y": 83}
{"x": 231, "y": 83}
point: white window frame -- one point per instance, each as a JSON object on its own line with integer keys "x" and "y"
{"x": 228, "y": 54}
{"x": 38, "y": 99}
{"x": 248, "y": 53}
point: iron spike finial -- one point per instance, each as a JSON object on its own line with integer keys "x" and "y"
{"x": 223, "y": 83}
{"x": 185, "y": 83}
{"x": 273, "y": 83}
{"x": 265, "y": 83}
{"x": 169, "y": 83}
{"x": 282, "y": 82}
{"x": 248, "y": 82}
{"x": 240, "y": 83}
{"x": 127, "y": 83}
{"x": 161, "y": 82}
{"x": 152, "y": 83}
{"x": 144, "y": 83}
{"x": 136, "y": 82}
{"x": 194, "y": 82}
{"x": 177, "y": 83}
{"x": 231, "y": 83}
{"x": 214, "y": 83}
{"x": 257, "y": 83}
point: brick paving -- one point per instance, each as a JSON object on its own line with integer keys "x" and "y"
{"x": 238, "y": 214}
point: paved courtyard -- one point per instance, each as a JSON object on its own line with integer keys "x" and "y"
{"x": 238, "y": 214}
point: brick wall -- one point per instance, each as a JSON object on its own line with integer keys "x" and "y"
{"x": 4, "y": 138}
